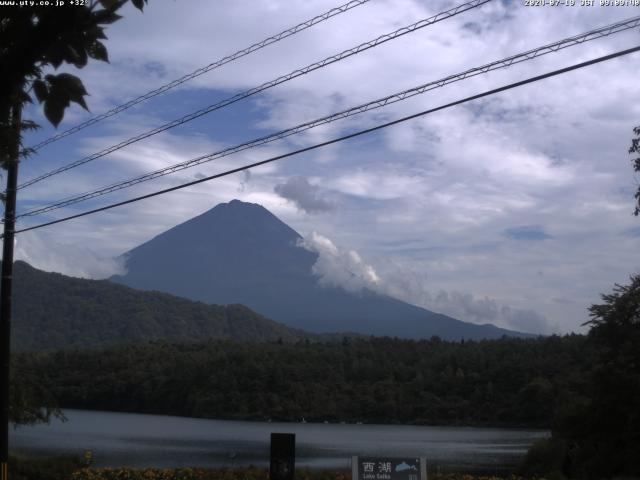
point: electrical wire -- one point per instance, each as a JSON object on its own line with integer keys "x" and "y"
{"x": 342, "y": 138}
{"x": 396, "y": 97}
{"x": 282, "y": 79}
{"x": 200, "y": 71}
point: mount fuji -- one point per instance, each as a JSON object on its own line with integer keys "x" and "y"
{"x": 240, "y": 253}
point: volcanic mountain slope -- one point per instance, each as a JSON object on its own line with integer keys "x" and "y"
{"x": 240, "y": 253}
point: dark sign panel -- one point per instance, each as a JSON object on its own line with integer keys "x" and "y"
{"x": 389, "y": 468}
{"x": 283, "y": 456}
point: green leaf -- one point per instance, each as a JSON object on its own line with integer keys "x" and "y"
{"x": 54, "y": 110}
{"x": 96, "y": 32}
{"x": 80, "y": 101}
{"x": 69, "y": 82}
{"x": 55, "y": 54}
{"x": 106, "y": 16}
{"x": 76, "y": 55}
{"x": 98, "y": 51}
{"x": 25, "y": 97}
{"x": 139, "y": 4}
{"x": 41, "y": 90}
{"x": 68, "y": 87}
{"x": 27, "y": 152}
{"x": 108, "y": 3}
{"x": 63, "y": 89}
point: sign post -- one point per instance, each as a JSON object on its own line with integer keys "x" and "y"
{"x": 388, "y": 468}
{"x": 283, "y": 456}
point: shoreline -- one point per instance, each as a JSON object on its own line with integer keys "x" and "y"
{"x": 313, "y": 422}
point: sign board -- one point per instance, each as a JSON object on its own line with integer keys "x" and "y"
{"x": 388, "y": 468}
{"x": 283, "y": 456}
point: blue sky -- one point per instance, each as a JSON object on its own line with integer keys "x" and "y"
{"x": 514, "y": 210}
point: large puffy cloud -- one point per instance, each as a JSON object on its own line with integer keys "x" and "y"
{"x": 339, "y": 267}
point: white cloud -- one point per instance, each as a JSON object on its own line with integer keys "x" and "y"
{"x": 435, "y": 194}
{"x": 345, "y": 268}
{"x": 339, "y": 267}
{"x": 42, "y": 252}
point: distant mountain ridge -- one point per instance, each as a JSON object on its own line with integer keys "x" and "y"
{"x": 240, "y": 253}
{"x": 52, "y": 311}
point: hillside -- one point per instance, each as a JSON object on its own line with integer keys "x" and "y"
{"x": 240, "y": 252}
{"x": 53, "y": 311}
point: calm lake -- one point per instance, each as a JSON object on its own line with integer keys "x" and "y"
{"x": 119, "y": 439}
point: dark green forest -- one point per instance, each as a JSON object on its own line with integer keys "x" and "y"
{"x": 512, "y": 382}
{"x": 53, "y": 311}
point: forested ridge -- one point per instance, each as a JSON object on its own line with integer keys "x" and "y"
{"x": 54, "y": 311}
{"x": 507, "y": 382}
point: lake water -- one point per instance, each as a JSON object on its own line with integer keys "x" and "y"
{"x": 119, "y": 439}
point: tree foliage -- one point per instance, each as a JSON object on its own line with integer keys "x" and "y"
{"x": 509, "y": 382}
{"x": 635, "y": 149}
{"x": 34, "y": 39}
{"x": 601, "y": 429}
{"x": 613, "y": 438}
{"x": 30, "y": 400}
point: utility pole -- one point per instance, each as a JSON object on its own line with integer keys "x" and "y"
{"x": 6, "y": 284}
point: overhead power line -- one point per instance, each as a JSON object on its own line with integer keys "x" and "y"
{"x": 342, "y": 138}
{"x": 200, "y": 71}
{"x": 282, "y": 79}
{"x": 396, "y": 97}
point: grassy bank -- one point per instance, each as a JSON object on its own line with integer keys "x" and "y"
{"x": 70, "y": 468}
{"x": 52, "y": 468}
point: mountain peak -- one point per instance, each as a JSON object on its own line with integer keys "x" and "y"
{"x": 239, "y": 252}
{"x": 234, "y": 224}
{"x": 234, "y": 207}
{"x": 236, "y": 210}
{"x": 239, "y": 204}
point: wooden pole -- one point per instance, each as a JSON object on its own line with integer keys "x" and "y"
{"x": 5, "y": 287}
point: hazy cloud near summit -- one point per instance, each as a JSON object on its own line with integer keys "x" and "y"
{"x": 341, "y": 267}
{"x": 303, "y": 194}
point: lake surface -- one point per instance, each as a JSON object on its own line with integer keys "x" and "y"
{"x": 119, "y": 439}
